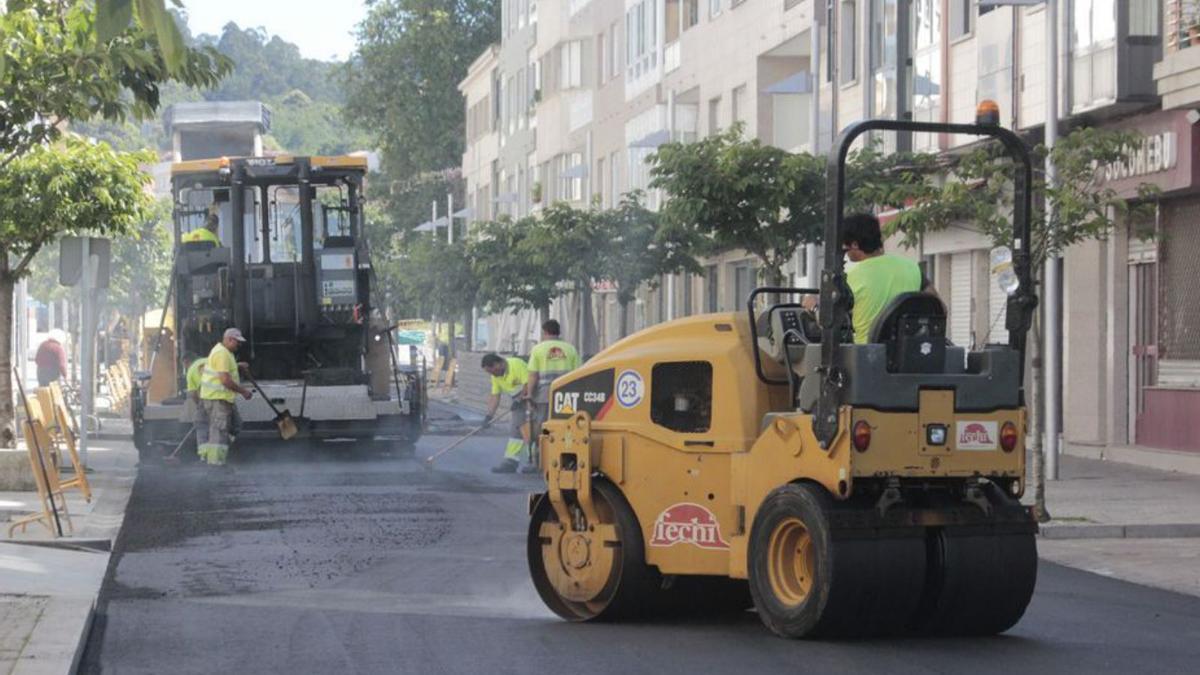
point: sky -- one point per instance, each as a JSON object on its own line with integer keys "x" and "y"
{"x": 323, "y": 29}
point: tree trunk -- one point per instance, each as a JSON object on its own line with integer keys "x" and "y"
{"x": 586, "y": 327}
{"x": 7, "y": 418}
{"x": 624, "y": 330}
{"x": 1037, "y": 422}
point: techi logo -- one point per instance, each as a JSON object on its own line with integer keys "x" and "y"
{"x": 687, "y": 523}
{"x": 976, "y": 435}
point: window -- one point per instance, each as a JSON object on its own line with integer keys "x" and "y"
{"x": 714, "y": 8}
{"x": 743, "y": 281}
{"x": 714, "y": 115}
{"x": 641, "y": 38}
{"x": 738, "y": 103}
{"x": 1094, "y": 24}
{"x": 829, "y": 40}
{"x": 614, "y": 52}
{"x": 927, "y": 67}
{"x": 1143, "y": 19}
{"x": 691, "y": 13}
{"x": 614, "y": 185}
{"x": 687, "y": 295}
{"x": 960, "y": 18}
{"x": 681, "y": 396}
{"x": 598, "y": 188}
{"x": 713, "y": 289}
{"x": 848, "y": 42}
{"x": 571, "y": 68}
{"x": 601, "y": 60}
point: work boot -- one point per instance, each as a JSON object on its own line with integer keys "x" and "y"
{"x": 507, "y": 465}
{"x": 531, "y": 468}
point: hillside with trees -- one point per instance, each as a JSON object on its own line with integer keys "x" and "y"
{"x": 304, "y": 96}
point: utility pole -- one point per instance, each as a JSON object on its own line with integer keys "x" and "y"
{"x": 1052, "y": 375}
{"x": 87, "y": 347}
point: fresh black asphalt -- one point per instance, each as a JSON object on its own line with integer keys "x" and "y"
{"x": 336, "y": 560}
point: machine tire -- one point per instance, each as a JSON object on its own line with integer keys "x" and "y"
{"x": 631, "y": 589}
{"x": 808, "y": 581}
{"x": 979, "y": 581}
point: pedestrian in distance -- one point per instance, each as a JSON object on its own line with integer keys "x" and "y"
{"x": 51, "y": 358}
{"x": 509, "y": 376}
{"x": 220, "y": 385}
{"x": 548, "y": 360}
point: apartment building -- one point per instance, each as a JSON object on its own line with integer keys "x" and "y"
{"x": 617, "y": 78}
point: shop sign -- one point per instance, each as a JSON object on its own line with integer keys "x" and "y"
{"x": 1157, "y": 152}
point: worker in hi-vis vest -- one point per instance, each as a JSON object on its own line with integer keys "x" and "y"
{"x": 509, "y": 376}
{"x": 193, "y": 408}
{"x": 208, "y": 233}
{"x": 548, "y": 360}
{"x": 220, "y": 385}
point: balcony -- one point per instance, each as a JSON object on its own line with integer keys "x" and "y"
{"x": 672, "y": 56}
{"x": 1177, "y": 75}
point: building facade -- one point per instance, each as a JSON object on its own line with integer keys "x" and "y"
{"x": 614, "y": 79}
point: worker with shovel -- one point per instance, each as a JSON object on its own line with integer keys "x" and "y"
{"x": 220, "y": 384}
{"x": 509, "y": 376}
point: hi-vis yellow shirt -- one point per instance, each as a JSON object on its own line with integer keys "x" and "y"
{"x": 514, "y": 378}
{"x": 875, "y": 282}
{"x": 194, "y": 373}
{"x": 200, "y": 234}
{"x": 220, "y": 360}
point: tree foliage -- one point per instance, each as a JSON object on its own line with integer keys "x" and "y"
{"x": 402, "y": 82}
{"x": 730, "y": 193}
{"x": 438, "y": 277}
{"x": 976, "y": 189}
{"x": 54, "y": 68}
{"x": 513, "y": 273}
{"x": 75, "y": 186}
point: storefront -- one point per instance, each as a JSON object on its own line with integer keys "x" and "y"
{"x": 1152, "y": 318}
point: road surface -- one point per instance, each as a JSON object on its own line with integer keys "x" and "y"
{"x": 328, "y": 561}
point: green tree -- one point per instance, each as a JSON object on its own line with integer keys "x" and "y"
{"x": 51, "y": 191}
{"x": 512, "y": 271}
{"x": 402, "y": 82}
{"x": 439, "y": 278}
{"x": 59, "y": 64}
{"x": 977, "y": 189}
{"x": 640, "y": 251}
{"x": 728, "y": 193}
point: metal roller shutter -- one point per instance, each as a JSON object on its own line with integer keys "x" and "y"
{"x": 960, "y": 299}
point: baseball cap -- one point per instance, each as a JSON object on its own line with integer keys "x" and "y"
{"x": 233, "y": 333}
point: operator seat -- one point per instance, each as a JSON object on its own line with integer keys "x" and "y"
{"x": 913, "y": 327}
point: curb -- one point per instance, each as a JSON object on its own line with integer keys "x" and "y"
{"x": 1140, "y": 531}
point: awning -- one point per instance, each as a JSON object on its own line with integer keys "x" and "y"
{"x": 465, "y": 213}
{"x": 800, "y": 83}
{"x": 652, "y": 140}
{"x": 577, "y": 171}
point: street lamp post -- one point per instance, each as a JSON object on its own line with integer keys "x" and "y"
{"x": 1051, "y": 363}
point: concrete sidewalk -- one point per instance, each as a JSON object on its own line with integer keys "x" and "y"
{"x": 49, "y": 585}
{"x": 1124, "y": 521}
{"x": 1095, "y": 499}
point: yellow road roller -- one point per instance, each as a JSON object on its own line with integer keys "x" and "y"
{"x": 762, "y": 459}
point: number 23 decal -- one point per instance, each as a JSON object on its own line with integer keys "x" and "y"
{"x": 630, "y": 389}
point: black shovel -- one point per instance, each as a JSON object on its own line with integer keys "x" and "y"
{"x": 283, "y": 419}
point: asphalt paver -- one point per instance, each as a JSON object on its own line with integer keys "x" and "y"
{"x": 332, "y": 559}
